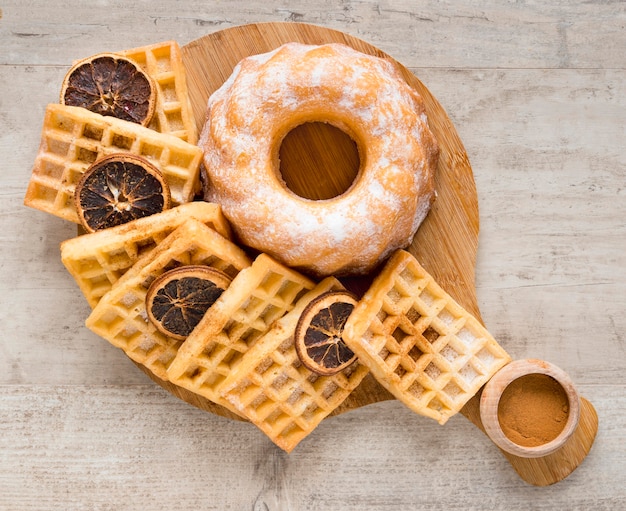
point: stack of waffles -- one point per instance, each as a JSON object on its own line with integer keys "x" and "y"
{"x": 406, "y": 331}
{"x": 242, "y": 354}
{"x": 73, "y": 138}
{"x": 120, "y": 315}
{"x": 412, "y": 336}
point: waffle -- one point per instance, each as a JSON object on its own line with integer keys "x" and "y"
{"x": 173, "y": 113}
{"x": 97, "y": 260}
{"x": 120, "y": 316}
{"x": 256, "y": 298}
{"x": 420, "y": 344}
{"x": 276, "y": 392}
{"x": 73, "y": 138}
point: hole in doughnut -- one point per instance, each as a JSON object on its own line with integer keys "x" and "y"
{"x": 318, "y": 161}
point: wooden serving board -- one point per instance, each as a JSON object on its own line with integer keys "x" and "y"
{"x": 446, "y": 243}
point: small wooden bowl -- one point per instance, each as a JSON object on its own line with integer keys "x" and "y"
{"x": 494, "y": 390}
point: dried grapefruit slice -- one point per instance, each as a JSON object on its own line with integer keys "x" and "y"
{"x": 112, "y": 85}
{"x": 117, "y": 189}
{"x": 318, "y": 340}
{"x": 178, "y": 299}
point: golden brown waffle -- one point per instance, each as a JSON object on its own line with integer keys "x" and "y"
{"x": 98, "y": 260}
{"x": 120, "y": 316}
{"x": 419, "y": 343}
{"x": 278, "y": 394}
{"x": 73, "y": 138}
{"x": 256, "y": 298}
{"x": 173, "y": 113}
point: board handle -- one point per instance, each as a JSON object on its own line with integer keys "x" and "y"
{"x": 532, "y": 411}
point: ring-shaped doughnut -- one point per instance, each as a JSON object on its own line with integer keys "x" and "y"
{"x": 270, "y": 94}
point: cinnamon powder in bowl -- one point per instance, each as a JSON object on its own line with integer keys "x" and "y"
{"x": 529, "y": 408}
{"x": 533, "y": 410}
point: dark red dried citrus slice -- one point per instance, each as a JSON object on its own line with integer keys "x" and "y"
{"x": 178, "y": 299}
{"x": 318, "y": 334}
{"x": 111, "y": 85}
{"x": 117, "y": 189}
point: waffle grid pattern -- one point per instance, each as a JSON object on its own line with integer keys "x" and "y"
{"x": 277, "y": 393}
{"x": 73, "y": 138}
{"x": 419, "y": 343}
{"x": 97, "y": 260}
{"x": 256, "y": 298}
{"x": 120, "y": 316}
{"x": 173, "y": 113}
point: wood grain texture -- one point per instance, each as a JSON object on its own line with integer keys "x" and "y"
{"x": 537, "y": 93}
{"x": 121, "y": 447}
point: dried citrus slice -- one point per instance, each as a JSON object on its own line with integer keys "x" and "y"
{"x": 112, "y": 85}
{"x": 117, "y": 189}
{"x": 318, "y": 333}
{"x": 178, "y": 299}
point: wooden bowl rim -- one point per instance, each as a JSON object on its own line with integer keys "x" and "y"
{"x": 496, "y": 386}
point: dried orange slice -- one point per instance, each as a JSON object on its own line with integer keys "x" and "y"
{"x": 318, "y": 340}
{"x": 117, "y": 189}
{"x": 178, "y": 299}
{"x": 112, "y": 85}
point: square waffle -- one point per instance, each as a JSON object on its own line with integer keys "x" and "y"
{"x": 120, "y": 316}
{"x": 97, "y": 260}
{"x": 73, "y": 138}
{"x": 173, "y": 113}
{"x": 420, "y": 344}
{"x": 246, "y": 310}
{"x": 278, "y": 394}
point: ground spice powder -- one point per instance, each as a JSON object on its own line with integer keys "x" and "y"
{"x": 533, "y": 410}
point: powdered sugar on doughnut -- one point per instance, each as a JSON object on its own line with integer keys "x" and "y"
{"x": 269, "y": 94}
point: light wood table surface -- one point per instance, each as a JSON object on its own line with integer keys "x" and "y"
{"x": 537, "y": 93}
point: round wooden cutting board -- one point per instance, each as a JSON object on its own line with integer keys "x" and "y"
{"x": 445, "y": 244}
